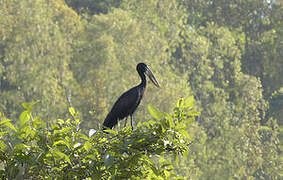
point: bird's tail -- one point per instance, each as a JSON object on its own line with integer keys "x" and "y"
{"x": 109, "y": 122}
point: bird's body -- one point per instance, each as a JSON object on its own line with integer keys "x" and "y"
{"x": 123, "y": 108}
{"x": 128, "y": 102}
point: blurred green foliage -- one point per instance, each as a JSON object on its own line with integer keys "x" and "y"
{"x": 83, "y": 54}
{"x": 34, "y": 149}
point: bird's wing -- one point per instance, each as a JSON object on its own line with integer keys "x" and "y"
{"x": 126, "y": 103}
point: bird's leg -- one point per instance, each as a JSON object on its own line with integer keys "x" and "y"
{"x": 126, "y": 121}
{"x": 132, "y": 122}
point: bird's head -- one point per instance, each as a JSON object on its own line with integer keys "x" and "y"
{"x": 143, "y": 68}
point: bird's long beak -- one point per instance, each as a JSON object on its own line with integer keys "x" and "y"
{"x": 152, "y": 78}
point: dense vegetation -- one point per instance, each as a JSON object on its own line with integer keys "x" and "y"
{"x": 82, "y": 55}
{"x": 34, "y": 149}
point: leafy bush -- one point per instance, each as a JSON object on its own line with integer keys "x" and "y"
{"x": 34, "y": 149}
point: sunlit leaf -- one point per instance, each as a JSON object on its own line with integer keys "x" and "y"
{"x": 21, "y": 147}
{"x": 27, "y": 106}
{"x": 193, "y": 113}
{"x": 154, "y": 112}
{"x": 25, "y": 132}
{"x": 36, "y": 102}
{"x": 87, "y": 146}
{"x": 83, "y": 136}
{"x": 139, "y": 124}
{"x": 60, "y": 155}
{"x": 62, "y": 142}
{"x": 189, "y": 102}
{"x": 4, "y": 121}
{"x": 180, "y": 102}
{"x": 38, "y": 123}
{"x": 90, "y": 156}
{"x": 186, "y": 153}
{"x": 185, "y": 133}
{"x": 3, "y": 146}
{"x": 111, "y": 131}
{"x": 176, "y": 159}
{"x": 60, "y": 121}
{"x": 24, "y": 117}
{"x": 66, "y": 129}
{"x": 171, "y": 122}
{"x": 3, "y": 133}
{"x": 72, "y": 111}
{"x": 166, "y": 173}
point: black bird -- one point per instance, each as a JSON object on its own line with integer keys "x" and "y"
{"x": 128, "y": 102}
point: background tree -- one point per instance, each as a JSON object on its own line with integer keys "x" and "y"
{"x": 225, "y": 53}
{"x": 93, "y": 6}
{"x": 108, "y": 52}
{"x": 35, "y": 53}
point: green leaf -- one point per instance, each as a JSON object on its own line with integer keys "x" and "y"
{"x": 21, "y": 147}
{"x": 83, "y": 136}
{"x": 139, "y": 124}
{"x": 27, "y": 106}
{"x": 176, "y": 157}
{"x": 11, "y": 126}
{"x": 186, "y": 154}
{"x": 35, "y": 103}
{"x": 170, "y": 122}
{"x": 180, "y": 102}
{"x": 61, "y": 142}
{"x": 25, "y": 132}
{"x": 111, "y": 131}
{"x": 72, "y": 111}
{"x": 24, "y": 117}
{"x": 189, "y": 102}
{"x": 7, "y": 123}
{"x": 60, "y": 121}
{"x": 90, "y": 156}
{"x": 185, "y": 134}
{"x": 66, "y": 130}
{"x": 38, "y": 123}
{"x": 193, "y": 113}
{"x": 3, "y": 146}
{"x": 167, "y": 174}
{"x": 4, "y": 121}
{"x": 3, "y": 133}
{"x": 154, "y": 112}
{"x": 60, "y": 155}
{"x": 87, "y": 146}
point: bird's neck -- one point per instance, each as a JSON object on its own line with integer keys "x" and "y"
{"x": 143, "y": 80}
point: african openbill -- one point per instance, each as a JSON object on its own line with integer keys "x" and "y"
{"x": 128, "y": 102}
